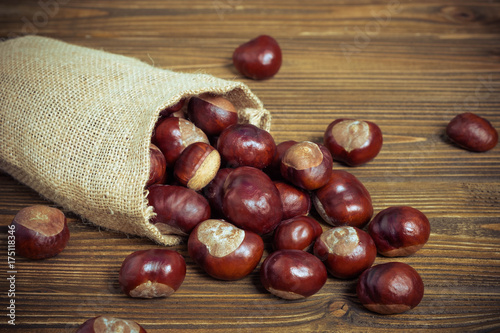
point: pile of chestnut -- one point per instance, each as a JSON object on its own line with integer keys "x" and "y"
{"x": 224, "y": 185}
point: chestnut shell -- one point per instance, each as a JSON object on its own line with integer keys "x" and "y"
{"x": 292, "y": 274}
{"x": 355, "y": 142}
{"x": 42, "y": 239}
{"x": 390, "y": 288}
{"x": 246, "y": 145}
{"x": 234, "y": 265}
{"x": 251, "y": 201}
{"x": 344, "y": 201}
{"x": 259, "y": 58}
{"x": 472, "y": 132}
{"x": 178, "y": 207}
{"x": 107, "y": 324}
{"x": 399, "y": 231}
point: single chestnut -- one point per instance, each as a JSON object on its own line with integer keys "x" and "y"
{"x": 107, "y": 324}
{"x": 211, "y": 113}
{"x": 297, "y": 233}
{"x": 197, "y": 165}
{"x": 307, "y": 165}
{"x": 224, "y": 251}
{"x": 259, "y": 58}
{"x": 41, "y": 232}
{"x": 273, "y": 170}
{"x": 353, "y": 142}
{"x": 157, "y": 167}
{"x": 343, "y": 201}
{"x": 251, "y": 201}
{"x": 246, "y": 145}
{"x": 472, "y": 132}
{"x": 172, "y": 135}
{"x": 173, "y": 109}
{"x": 214, "y": 192}
{"x": 292, "y": 274}
{"x": 346, "y": 251}
{"x": 399, "y": 231}
{"x": 178, "y": 209}
{"x": 390, "y": 288}
{"x": 152, "y": 273}
{"x": 295, "y": 201}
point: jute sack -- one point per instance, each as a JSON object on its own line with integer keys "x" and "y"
{"x": 76, "y": 123}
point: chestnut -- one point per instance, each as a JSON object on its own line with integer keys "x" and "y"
{"x": 251, "y": 201}
{"x": 472, "y": 132}
{"x": 41, "y": 232}
{"x": 390, "y": 288}
{"x": 292, "y": 274}
{"x": 214, "y": 192}
{"x": 173, "y": 109}
{"x": 307, "y": 165}
{"x": 273, "y": 170}
{"x": 172, "y": 135}
{"x": 399, "y": 231}
{"x": 346, "y": 251}
{"x": 158, "y": 166}
{"x": 197, "y": 165}
{"x": 152, "y": 273}
{"x": 224, "y": 251}
{"x": 178, "y": 209}
{"x": 343, "y": 201}
{"x": 107, "y": 324}
{"x": 295, "y": 201}
{"x": 353, "y": 142}
{"x": 211, "y": 113}
{"x": 259, "y": 58}
{"x": 297, "y": 233}
{"x": 246, "y": 145}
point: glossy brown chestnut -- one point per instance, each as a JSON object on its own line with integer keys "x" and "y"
{"x": 292, "y": 274}
{"x": 297, "y": 233}
{"x": 106, "y": 324}
{"x": 307, "y": 165}
{"x": 295, "y": 201}
{"x": 224, "y": 251}
{"x": 251, "y": 201}
{"x": 353, "y": 142}
{"x": 343, "y": 201}
{"x": 172, "y": 135}
{"x": 40, "y": 232}
{"x": 246, "y": 145}
{"x": 173, "y": 109}
{"x": 273, "y": 170}
{"x": 399, "y": 231}
{"x": 346, "y": 251}
{"x": 157, "y": 167}
{"x": 212, "y": 113}
{"x": 259, "y": 58}
{"x": 214, "y": 192}
{"x": 390, "y": 288}
{"x": 178, "y": 209}
{"x": 472, "y": 132}
{"x": 152, "y": 273}
{"x": 197, "y": 165}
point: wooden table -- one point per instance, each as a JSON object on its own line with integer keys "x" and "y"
{"x": 409, "y": 66}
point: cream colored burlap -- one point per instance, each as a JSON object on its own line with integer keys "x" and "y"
{"x": 76, "y": 123}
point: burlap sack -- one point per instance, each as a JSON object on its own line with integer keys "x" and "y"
{"x": 76, "y": 123}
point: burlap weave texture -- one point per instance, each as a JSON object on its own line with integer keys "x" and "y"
{"x": 76, "y": 123}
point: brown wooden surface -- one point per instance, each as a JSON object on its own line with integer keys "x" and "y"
{"x": 409, "y": 71}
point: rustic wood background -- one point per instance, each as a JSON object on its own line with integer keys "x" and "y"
{"x": 408, "y": 65}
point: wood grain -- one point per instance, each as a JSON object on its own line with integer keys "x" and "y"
{"x": 409, "y": 66}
